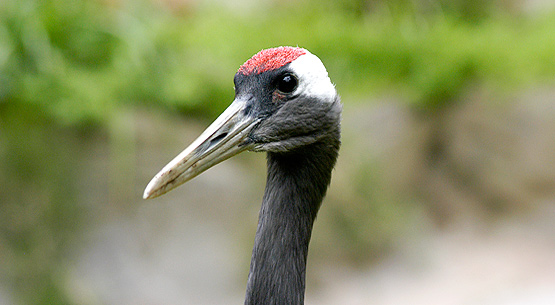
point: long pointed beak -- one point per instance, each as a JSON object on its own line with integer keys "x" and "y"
{"x": 223, "y": 139}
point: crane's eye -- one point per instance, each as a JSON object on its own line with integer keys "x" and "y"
{"x": 287, "y": 83}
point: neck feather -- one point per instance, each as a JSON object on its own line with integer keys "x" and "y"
{"x": 296, "y": 184}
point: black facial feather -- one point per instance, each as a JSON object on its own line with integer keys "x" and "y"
{"x": 293, "y": 121}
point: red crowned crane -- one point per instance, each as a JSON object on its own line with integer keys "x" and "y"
{"x": 285, "y": 105}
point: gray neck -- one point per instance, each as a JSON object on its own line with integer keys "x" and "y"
{"x": 296, "y": 184}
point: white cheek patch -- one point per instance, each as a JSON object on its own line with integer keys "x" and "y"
{"x": 313, "y": 78}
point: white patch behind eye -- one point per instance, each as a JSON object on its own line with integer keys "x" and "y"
{"x": 313, "y": 78}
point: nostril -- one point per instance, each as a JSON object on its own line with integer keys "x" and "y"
{"x": 218, "y": 138}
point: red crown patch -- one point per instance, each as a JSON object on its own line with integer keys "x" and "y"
{"x": 270, "y": 59}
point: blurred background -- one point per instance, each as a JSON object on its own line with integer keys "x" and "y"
{"x": 444, "y": 192}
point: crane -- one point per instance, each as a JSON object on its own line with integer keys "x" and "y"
{"x": 285, "y": 105}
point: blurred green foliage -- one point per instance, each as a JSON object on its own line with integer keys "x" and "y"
{"x": 67, "y": 65}
{"x": 39, "y": 215}
{"x": 80, "y": 61}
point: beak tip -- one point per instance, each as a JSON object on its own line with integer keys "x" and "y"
{"x": 146, "y": 195}
{"x": 151, "y": 194}
{"x": 152, "y": 190}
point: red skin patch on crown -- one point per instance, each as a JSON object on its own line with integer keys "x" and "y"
{"x": 270, "y": 59}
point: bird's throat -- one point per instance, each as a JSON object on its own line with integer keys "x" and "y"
{"x": 296, "y": 184}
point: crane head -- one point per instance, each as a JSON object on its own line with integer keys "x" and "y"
{"x": 284, "y": 100}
